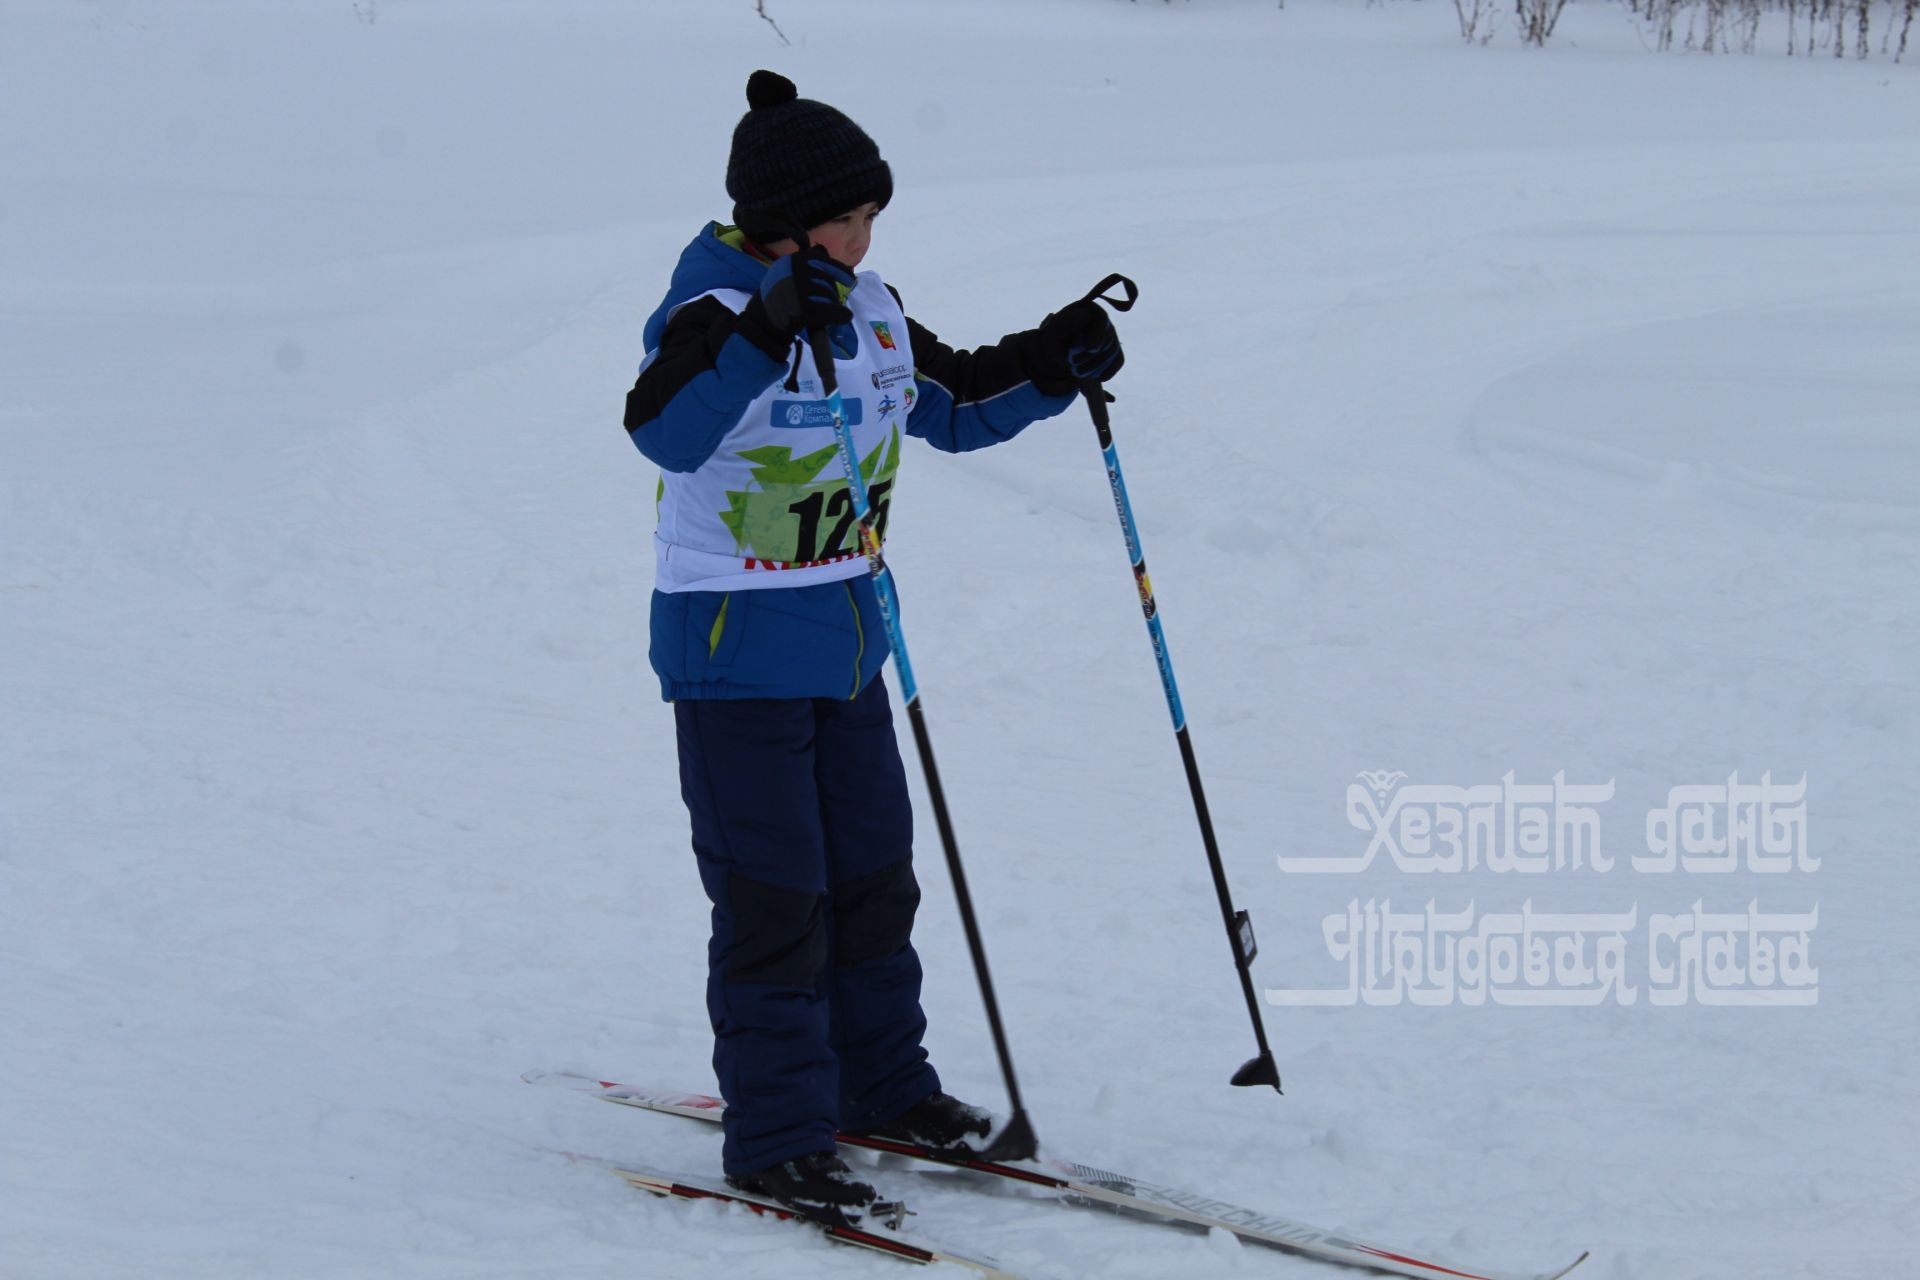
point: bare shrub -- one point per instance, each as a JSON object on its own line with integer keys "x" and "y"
{"x": 1537, "y": 19}
{"x": 1477, "y": 19}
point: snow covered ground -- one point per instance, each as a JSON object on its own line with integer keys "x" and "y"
{"x": 1486, "y": 411}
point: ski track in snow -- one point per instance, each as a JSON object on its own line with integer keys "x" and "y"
{"x": 1484, "y": 411}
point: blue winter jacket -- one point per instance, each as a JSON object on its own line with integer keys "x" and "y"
{"x": 826, "y": 640}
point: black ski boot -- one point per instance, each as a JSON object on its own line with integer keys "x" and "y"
{"x": 818, "y": 1184}
{"x": 942, "y": 1122}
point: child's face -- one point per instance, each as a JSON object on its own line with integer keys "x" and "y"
{"x": 846, "y": 237}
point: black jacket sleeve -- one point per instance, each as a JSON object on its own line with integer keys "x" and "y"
{"x": 970, "y": 399}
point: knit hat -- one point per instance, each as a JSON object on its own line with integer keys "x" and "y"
{"x": 796, "y": 163}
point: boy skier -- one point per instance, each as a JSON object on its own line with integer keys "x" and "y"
{"x": 767, "y": 639}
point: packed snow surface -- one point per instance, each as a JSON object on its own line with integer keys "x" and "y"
{"x": 1487, "y": 411}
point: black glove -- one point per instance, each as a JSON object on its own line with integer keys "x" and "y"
{"x": 805, "y": 291}
{"x": 1076, "y": 343}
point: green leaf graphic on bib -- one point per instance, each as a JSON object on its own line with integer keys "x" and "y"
{"x": 794, "y": 517}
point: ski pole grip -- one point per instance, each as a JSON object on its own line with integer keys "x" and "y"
{"x": 1098, "y": 398}
{"x": 822, "y": 348}
{"x": 1099, "y": 292}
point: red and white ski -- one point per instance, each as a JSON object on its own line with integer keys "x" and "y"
{"x": 879, "y": 1233}
{"x": 1084, "y": 1182}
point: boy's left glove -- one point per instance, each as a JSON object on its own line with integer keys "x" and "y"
{"x": 1074, "y": 344}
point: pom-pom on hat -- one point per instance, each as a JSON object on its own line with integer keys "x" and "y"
{"x": 796, "y": 163}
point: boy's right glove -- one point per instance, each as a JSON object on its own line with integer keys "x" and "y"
{"x": 803, "y": 292}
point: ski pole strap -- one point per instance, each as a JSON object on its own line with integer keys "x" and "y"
{"x": 1130, "y": 290}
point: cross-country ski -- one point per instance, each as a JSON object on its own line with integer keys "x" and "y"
{"x": 880, "y": 1230}
{"x": 1083, "y": 1183}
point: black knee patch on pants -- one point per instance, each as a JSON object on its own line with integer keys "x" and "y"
{"x": 779, "y": 935}
{"x": 873, "y": 916}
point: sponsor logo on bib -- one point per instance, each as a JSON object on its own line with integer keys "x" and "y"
{"x": 802, "y": 414}
{"x": 883, "y": 379}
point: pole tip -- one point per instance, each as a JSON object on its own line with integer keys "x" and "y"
{"x": 1260, "y": 1070}
{"x": 1015, "y": 1142}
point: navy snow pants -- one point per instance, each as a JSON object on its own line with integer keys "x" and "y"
{"x": 804, "y": 835}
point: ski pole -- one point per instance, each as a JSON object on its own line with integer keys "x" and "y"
{"x": 1260, "y": 1069}
{"x": 1017, "y": 1141}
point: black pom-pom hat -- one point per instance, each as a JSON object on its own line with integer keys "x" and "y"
{"x": 797, "y": 163}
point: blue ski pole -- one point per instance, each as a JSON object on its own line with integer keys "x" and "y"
{"x": 1260, "y": 1069}
{"x": 1017, "y": 1141}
